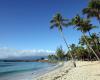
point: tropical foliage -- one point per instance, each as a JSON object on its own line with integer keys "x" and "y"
{"x": 59, "y": 55}
{"x": 88, "y": 47}
{"x": 59, "y": 22}
{"x": 93, "y": 9}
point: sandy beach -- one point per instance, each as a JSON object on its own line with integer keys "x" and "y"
{"x": 85, "y": 70}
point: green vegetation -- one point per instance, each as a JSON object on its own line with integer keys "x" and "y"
{"x": 93, "y": 9}
{"x": 59, "y": 56}
{"x": 88, "y": 47}
{"x": 58, "y": 21}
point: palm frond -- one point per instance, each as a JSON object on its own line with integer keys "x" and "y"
{"x": 52, "y": 21}
{"x": 52, "y": 26}
{"x": 85, "y": 10}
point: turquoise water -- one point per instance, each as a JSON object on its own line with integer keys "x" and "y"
{"x": 23, "y": 70}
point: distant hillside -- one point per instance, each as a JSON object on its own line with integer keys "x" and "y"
{"x": 25, "y": 58}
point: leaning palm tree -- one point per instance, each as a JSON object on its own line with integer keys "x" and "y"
{"x": 95, "y": 37}
{"x": 87, "y": 27}
{"x": 58, "y": 21}
{"x": 83, "y": 43}
{"x": 83, "y": 25}
{"x": 93, "y": 9}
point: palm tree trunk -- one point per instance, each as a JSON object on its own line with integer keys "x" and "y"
{"x": 94, "y": 41}
{"x": 68, "y": 48}
{"x": 90, "y": 46}
{"x": 89, "y": 53}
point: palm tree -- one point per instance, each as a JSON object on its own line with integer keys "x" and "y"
{"x": 93, "y": 9}
{"x": 81, "y": 52}
{"x": 60, "y": 53}
{"x": 83, "y": 43}
{"x": 87, "y": 27}
{"x": 83, "y": 25}
{"x": 95, "y": 37}
{"x": 58, "y": 21}
{"x": 74, "y": 50}
{"x": 52, "y": 58}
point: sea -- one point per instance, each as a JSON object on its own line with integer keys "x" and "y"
{"x": 24, "y": 70}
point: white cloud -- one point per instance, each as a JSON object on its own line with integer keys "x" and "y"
{"x": 10, "y": 53}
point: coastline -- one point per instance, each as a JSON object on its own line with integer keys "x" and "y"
{"x": 85, "y": 70}
{"x": 51, "y": 75}
{"x": 23, "y": 70}
{"x": 49, "y": 69}
{"x": 24, "y": 60}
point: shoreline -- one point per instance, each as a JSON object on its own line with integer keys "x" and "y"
{"x": 24, "y": 60}
{"x": 49, "y": 69}
{"x": 23, "y": 71}
{"x": 85, "y": 70}
{"x": 54, "y": 73}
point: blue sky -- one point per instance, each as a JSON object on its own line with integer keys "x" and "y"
{"x": 24, "y": 24}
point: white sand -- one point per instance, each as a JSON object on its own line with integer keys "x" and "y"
{"x": 84, "y": 71}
